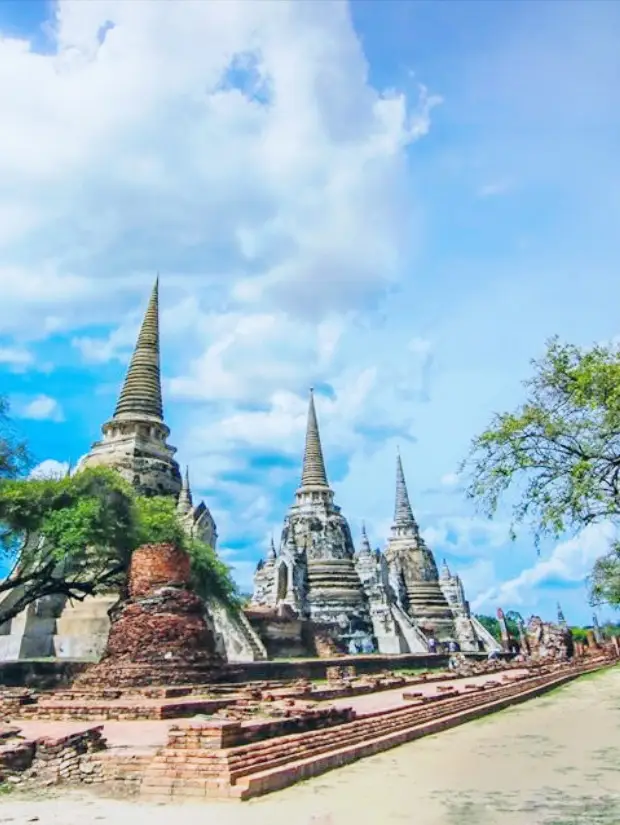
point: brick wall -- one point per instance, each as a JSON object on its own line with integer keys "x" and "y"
{"x": 157, "y": 564}
{"x": 217, "y": 735}
{"x": 14, "y": 759}
{"x": 50, "y": 761}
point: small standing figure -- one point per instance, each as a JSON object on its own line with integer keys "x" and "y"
{"x": 432, "y": 645}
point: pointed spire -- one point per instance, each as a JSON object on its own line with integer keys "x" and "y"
{"x": 185, "y": 502}
{"x": 313, "y": 472}
{"x": 141, "y": 392}
{"x": 561, "y": 619}
{"x": 366, "y": 549}
{"x": 403, "y": 514}
{"x": 271, "y": 553}
{"x": 445, "y": 570}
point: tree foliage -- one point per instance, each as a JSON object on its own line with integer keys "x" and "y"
{"x": 157, "y": 521}
{"x": 14, "y": 456}
{"x": 75, "y": 536}
{"x": 559, "y": 453}
{"x": 491, "y": 623}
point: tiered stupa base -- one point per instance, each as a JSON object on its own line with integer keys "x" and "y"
{"x": 336, "y": 603}
{"x": 159, "y": 635}
{"x": 429, "y": 608}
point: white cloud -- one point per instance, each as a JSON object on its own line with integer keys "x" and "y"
{"x": 249, "y": 130}
{"x": 570, "y": 562}
{"x": 16, "y": 358}
{"x": 420, "y": 346}
{"x": 466, "y": 536}
{"x": 450, "y": 479}
{"x": 40, "y": 408}
{"x": 498, "y": 187}
{"x": 50, "y": 468}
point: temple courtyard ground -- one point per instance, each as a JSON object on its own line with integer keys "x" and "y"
{"x": 552, "y": 761}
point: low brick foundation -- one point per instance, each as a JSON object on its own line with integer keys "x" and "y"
{"x": 159, "y": 635}
{"x": 210, "y": 763}
{"x": 48, "y": 761}
{"x": 121, "y": 710}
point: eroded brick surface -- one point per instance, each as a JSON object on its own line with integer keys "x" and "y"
{"x": 159, "y": 635}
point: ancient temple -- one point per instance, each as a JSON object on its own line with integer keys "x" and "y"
{"x": 314, "y": 572}
{"x": 437, "y": 606}
{"x": 561, "y": 619}
{"x": 394, "y": 599}
{"x": 134, "y": 440}
{"x": 134, "y": 443}
{"x": 159, "y": 634}
{"x": 414, "y": 573}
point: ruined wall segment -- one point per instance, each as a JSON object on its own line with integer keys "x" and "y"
{"x": 159, "y": 635}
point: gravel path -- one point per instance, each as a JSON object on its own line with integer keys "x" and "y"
{"x": 552, "y": 761}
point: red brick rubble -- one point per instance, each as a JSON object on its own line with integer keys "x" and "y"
{"x": 159, "y": 635}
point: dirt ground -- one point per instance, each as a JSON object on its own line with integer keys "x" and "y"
{"x": 552, "y": 761}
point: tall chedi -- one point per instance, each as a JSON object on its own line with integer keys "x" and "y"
{"x": 314, "y": 572}
{"x": 135, "y": 438}
{"x": 413, "y": 568}
{"x": 334, "y": 590}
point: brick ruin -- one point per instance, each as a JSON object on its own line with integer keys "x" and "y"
{"x": 238, "y": 741}
{"x": 158, "y": 635}
{"x": 211, "y": 738}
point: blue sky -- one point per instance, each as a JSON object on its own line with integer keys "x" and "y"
{"x": 395, "y": 202}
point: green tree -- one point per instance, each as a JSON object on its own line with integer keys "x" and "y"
{"x": 75, "y": 536}
{"x": 558, "y": 453}
{"x": 14, "y": 456}
{"x": 157, "y": 521}
{"x": 491, "y": 624}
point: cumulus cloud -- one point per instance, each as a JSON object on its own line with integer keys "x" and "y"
{"x": 246, "y": 137}
{"x": 570, "y": 562}
{"x": 16, "y": 358}
{"x": 466, "y": 536}
{"x": 40, "y": 408}
{"x": 241, "y": 150}
{"x": 50, "y": 468}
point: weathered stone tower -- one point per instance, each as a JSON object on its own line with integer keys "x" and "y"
{"x": 134, "y": 444}
{"x": 413, "y": 569}
{"x": 314, "y": 571}
{"x": 319, "y": 531}
{"x": 135, "y": 439}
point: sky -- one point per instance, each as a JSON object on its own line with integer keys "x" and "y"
{"x": 396, "y": 203}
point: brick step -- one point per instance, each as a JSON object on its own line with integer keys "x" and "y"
{"x": 362, "y": 729}
{"x": 247, "y": 759}
{"x": 179, "y": 766}
{"x": 277, "y": 777}
{"x": 261, "y": 767}
{"x": 354, "y": 732}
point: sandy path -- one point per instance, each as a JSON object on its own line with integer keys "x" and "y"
{"x": 552, "y": 761}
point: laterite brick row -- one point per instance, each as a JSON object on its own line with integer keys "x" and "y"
{"x": 244, "y": 771}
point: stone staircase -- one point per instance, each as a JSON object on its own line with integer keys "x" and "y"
{"x": 240, "y": 640}
{"x": 260, "y": 767}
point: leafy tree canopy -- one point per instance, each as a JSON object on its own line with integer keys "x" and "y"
{"x": 559, "y": 452}
{"x": 157, "y": 521}
{"x": 74, "y": 537}
{"x": 14, "y": 456}
{"x": 491, "y": 623}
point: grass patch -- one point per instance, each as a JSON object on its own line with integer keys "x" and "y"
{"x": 5, "y": 788}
